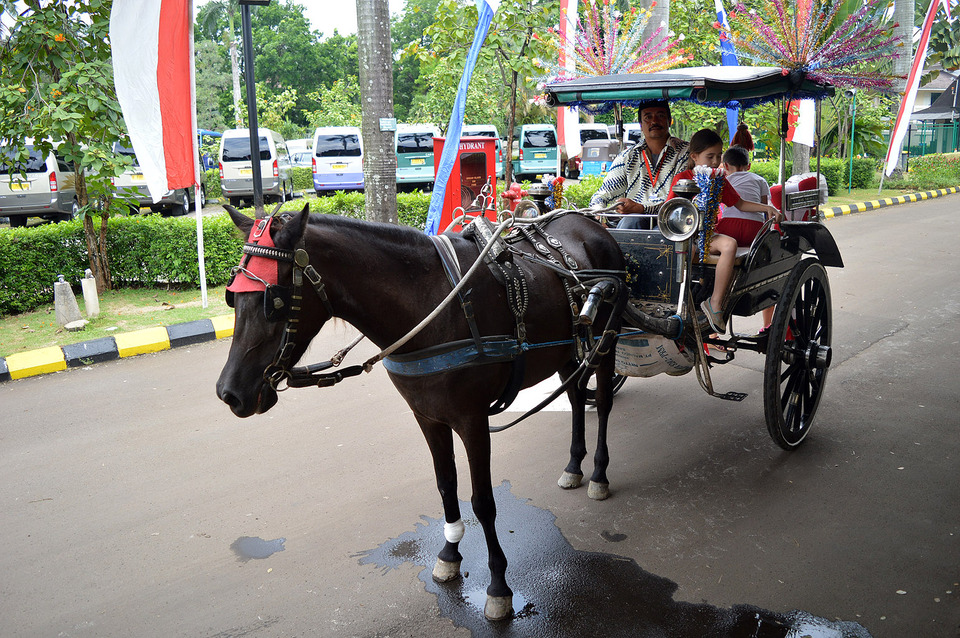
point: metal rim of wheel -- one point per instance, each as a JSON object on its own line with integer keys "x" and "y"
{"x": 798, "y": 354}
{"x": 618, "y": 381}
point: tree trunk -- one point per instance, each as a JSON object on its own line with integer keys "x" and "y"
{"x": 801, "y": 158}
{"x": 376, "y": 97}
{"x": 659, "y": 14}
{"x": 903, "y": 17}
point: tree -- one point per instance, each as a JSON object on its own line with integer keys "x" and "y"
{"x": 408, "y": 32}
{"x": 210, "y": 17}
{"x": 510, "y": 50}
{"x": 376, "y": 89}
{"x": 339, "y": 105}
{"x": 213, "y": 80}
{"x": 57, "y": 86}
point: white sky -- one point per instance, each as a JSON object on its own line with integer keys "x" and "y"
{"x": 327, "y": 15}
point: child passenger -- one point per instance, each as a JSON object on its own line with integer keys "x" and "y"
{"x": 742, "y": 225}
{"x": 706, "y": 149}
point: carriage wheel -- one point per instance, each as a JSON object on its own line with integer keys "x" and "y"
{"x": 618, "y": 381}
{"x": 798, "y": 354}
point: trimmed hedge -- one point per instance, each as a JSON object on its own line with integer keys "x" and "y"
{"x": 142, "y": 250}
{"x": 835, "y": 171}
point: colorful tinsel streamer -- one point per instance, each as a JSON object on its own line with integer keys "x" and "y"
{"x": 606, "y": 42}
{"x": 801, "y": 37}
{"x": 710, "y": 182}
{"x": 555, "y": 199}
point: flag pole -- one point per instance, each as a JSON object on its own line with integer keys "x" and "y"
{"x": 197, "y": 182}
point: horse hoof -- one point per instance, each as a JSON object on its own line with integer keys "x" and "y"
{"x": 598, "y": 491}
{"x": 569, "y": 481}
{"x": 444, "y": 572}
{"x": 498, "y": 607}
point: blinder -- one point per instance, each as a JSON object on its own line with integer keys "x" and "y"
{"x": 276, "y": 300}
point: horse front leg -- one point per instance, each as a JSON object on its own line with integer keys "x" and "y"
{"x": 476, "y": 440}
{"x": 573, "y": 474}
{"x": 439, "y": 438}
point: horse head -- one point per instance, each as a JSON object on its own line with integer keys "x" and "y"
{"x": 260, "y": 293}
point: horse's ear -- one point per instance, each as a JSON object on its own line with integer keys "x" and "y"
{"x": 241, "y": 221}
{"x": 293, "y": 230}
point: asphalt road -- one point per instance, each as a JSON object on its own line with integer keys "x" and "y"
{"x": 135, "y": 503}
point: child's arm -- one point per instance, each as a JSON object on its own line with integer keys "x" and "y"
{"x": 756, "y": 207}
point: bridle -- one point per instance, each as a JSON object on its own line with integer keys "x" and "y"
{"x": 284, "y": 303}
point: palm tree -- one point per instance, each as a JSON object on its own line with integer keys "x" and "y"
{"x": 208, "y": 18}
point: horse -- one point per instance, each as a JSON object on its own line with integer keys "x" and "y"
{"x": 363, "y": 268}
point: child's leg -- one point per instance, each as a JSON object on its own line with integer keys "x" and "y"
{"x": 726, "y": 248}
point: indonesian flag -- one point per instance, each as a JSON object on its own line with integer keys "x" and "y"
{"x": 913, "y": 83}
{"x": 802, "y": 122}
{"x": 152, "y": 43}
{"x": 568, "y": 118}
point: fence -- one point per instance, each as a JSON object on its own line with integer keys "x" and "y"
{"x": 926, "y": 137}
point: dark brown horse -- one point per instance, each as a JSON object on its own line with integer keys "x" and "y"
{"x": 385, "y": 279}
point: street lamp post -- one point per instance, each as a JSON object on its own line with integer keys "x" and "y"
{"x": 252, "y": 125}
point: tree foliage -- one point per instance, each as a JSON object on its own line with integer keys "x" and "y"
{"x": 57, "y": 88}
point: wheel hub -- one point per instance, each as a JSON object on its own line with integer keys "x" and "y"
{"x": 818, "y": 357}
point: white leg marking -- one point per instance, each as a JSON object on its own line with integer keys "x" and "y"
{"x": 453, "y": 532}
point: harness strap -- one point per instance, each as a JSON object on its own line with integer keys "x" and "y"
{"x": 451, "y": 266}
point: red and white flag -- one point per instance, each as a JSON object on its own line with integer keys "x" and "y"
{"x": 568, "y": 118}
{"x": 913, "y": 84}
{"x": 152, "y": 42}
{"x": 802, "y": 119}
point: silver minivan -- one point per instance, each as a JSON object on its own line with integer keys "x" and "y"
{"x": 236, "y": 166}
{"x": 37, "y": 187}
{"x": 132, "y": 187}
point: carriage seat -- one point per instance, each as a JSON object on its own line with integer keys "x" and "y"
{"x": 742, "y": 252}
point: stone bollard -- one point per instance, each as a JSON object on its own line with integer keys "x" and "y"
{"x": 91, "y": 300}
{"x": 65, "y": 303}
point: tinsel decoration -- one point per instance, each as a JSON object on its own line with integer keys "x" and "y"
{"x": 799, "y": 39}
{"x": 710, "y": 182}
{"x": 607, "y": 42}
{"x": 555, "y": 199}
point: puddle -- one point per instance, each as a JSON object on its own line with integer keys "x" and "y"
{"x": 559, "y": 591}
{"x": 247, "y": 547}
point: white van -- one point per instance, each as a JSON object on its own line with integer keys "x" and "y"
{"x": 632, "y": 134}
{"x": 132, "y": 187}
{"x": 36, "y": 187}
{"x": 414, "y": 144}
{"x": 593, "y": 132}
{"x": 337, "y": 159}
{"x": 236, "y": 166}
{"x": 486, "y": 130}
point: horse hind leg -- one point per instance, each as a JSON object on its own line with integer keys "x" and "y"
{"x": 440, "y": 440}
{"x": 572, "y": 475}
{"x": 599, "y": 488}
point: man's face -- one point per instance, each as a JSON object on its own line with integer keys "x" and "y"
{"x": 655, "y": 122}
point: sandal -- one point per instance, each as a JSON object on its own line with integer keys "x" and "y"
{"x": 714, "y": 318}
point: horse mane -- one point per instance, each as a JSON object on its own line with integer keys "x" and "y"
{"x": 395, "y": 234}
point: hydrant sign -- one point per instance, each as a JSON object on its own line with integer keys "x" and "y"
{"x": 473, "y": 168}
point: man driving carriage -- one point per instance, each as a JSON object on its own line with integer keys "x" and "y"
{"x": 641, "y": 176}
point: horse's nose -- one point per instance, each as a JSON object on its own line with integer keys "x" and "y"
{"x": 229, "y": 398}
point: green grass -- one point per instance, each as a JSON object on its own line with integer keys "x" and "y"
{"x": 120, "y": 311}
{"x": 858, "y": 195}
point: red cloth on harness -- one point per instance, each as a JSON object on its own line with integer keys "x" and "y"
{"x": 262, "y": 267}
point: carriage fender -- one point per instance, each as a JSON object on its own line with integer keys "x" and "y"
{"x": 806, "y": 236}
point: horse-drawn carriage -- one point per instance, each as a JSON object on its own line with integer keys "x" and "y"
{"x": 783, "y": 267}
{"x": 497, "y": 311}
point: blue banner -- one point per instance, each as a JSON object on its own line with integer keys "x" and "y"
{"x": 449, "y": 155}
{"x": 728, "y": 57}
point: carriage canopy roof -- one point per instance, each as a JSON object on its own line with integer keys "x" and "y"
{"x": 710, "y": 85}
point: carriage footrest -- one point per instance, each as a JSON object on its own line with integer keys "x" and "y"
{"x": 731, "y": 396}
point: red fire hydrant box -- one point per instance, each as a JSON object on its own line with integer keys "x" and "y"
{"x": 474, "y": 166}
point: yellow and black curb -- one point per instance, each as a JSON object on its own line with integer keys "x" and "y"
{"x": 127, "y": 344}
{"x": 56, "y": 358}
{"x": 848, "y": 209}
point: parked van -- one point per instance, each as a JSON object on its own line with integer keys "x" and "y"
{"x": 414, "y": 144}
{"x": 537, "y": 152}
{"x": 593, "y": 132}
{"x": 236, "y": 166}
{"x": 337, "y": 159}
{"x": 133, "y": 189}
{"x": 486, "y": 130}
{"x": 36, "y": 187}
{"x": 632, "y": 134}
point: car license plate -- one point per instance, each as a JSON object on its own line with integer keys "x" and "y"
{"x": 539, "y": 156}
{"x": 246, "y": 171}
{"x": 20, "y": 186}
{"x": 417, "y": 161}
{"x": 137, "y": 178}
{"x": 338, "y": 167}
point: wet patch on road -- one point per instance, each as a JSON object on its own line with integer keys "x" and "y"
{"x": 559, "y": 591}
{"x": 247, "y": 547}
